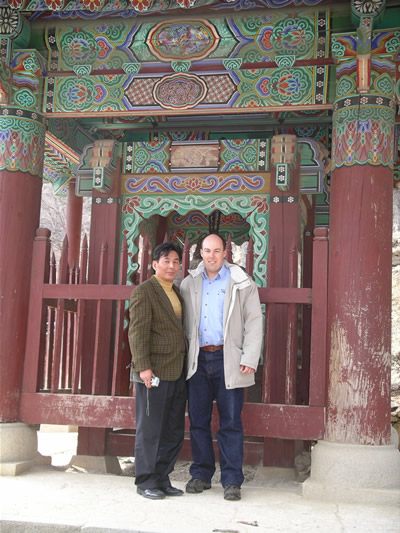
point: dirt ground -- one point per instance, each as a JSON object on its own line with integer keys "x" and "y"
{"x": 181, "y": 471}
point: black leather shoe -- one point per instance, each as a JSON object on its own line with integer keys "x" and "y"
{"x": 171, "y": 491}
{"x": 151, "y": 494}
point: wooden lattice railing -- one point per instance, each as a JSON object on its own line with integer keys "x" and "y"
{"x": 55, "y": 357}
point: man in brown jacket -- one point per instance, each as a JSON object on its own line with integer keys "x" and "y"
{"x": 158, "y": 346}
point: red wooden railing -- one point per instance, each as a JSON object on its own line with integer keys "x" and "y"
{"x": 53, "y": 360}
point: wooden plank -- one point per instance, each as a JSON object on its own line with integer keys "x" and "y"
{"x": 69, "y": 305}
{"x": 123, "y": 445}
{"x": 318, "y": 349}
{"x": 185, "y": 257}
{"x": 79, "y": 324}
{"x": 121, "y": 357}
{"x": 283, "y": 295}
{"x": 91, "y": 291}
{"x": 100, "y": 363}
{"x": 41, "y": 256}
{"x": 268, "y": 340}
{"x": 291, "y": 339}
{"x": 59, "y": 325}
{"x": 145, "y": 262}
{"x": 259, "y": 420}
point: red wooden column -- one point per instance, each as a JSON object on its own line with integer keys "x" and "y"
{"x": 21, "y": 169}
{"x": 74, "y": 224}
{"x": 21, "y": 166}
{"x": 284, "y": 244}
{"x": 19, "y": 218}
{"x": 356, "y": 456}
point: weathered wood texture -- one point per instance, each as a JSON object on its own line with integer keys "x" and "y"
{"x": 259, "y": 420}
{"x": 359, "y": 305}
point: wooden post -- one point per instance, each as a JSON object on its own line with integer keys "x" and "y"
{"x": 185, "y": 257}
{"x": 303, "y": 373}
{"x": 318, "y": 359}
{"x": 79, "y": 333}
{"x": 74, "y": 224}
{"x": 284, "y": 244}
{"x": 122, "y": 357}
{"x": 100, "y": 370}
{"x": 39, "y": 273}
{"x": 162, "y": 230}
{"x": 146, "y": 260}
{"x": 250, "y": 258}
{"x": 104, "y": 227}
{"x": 59, "y": 329}
{"x": 229, "y": 249}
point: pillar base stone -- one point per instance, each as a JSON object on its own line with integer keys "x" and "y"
{"x": 104, "y": 464}
{"x": 354, "y": 473}
{"x": 18, "y": 449}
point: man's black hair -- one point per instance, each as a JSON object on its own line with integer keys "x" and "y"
{"x": 164, "y": 249}
{"x": 220, "y": 236}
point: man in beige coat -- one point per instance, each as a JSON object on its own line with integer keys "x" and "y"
{"x": 224, "y": 330}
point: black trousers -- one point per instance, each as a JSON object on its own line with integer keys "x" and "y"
{"x": 160, "y": 429}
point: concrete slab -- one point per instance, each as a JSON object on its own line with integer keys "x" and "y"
{"x": 50, "y": 499}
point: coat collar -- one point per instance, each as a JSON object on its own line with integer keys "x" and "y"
{"x": 237, "y": 273}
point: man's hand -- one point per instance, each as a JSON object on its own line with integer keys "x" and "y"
{"x": 146, "y": 375}
{"x": 246, "y": 369}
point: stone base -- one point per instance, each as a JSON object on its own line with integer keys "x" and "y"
{"x": 354, "y": 473}
{"x": 104, "y": 464}
{"x": 16, "y": 468}
{"x": 55, "y": 428}
{"x": 18, "y": 449}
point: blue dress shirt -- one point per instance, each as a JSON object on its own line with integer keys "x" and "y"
{"x": 211, "y": 329}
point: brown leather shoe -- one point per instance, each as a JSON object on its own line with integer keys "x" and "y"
{"x": 195, "y": 486}
{"x": 232, "y": 493}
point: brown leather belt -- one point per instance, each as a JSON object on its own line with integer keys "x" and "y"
{"x": 212, "y": 348}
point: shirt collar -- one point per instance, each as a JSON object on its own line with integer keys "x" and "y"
{"x": 221, "y": 274}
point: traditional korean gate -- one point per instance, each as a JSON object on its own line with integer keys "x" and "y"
{"x": 54, "y": 358}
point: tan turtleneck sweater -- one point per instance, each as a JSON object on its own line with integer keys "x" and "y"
{"x": 173, "y": 298}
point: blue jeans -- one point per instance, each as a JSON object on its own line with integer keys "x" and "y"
{"x": 204, "y": 386}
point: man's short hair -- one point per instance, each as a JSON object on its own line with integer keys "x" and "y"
{"x": 164, "y": 249}
{"x": 222, "y": 239}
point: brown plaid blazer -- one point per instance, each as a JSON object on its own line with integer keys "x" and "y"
{"x": 156, "y": 335}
